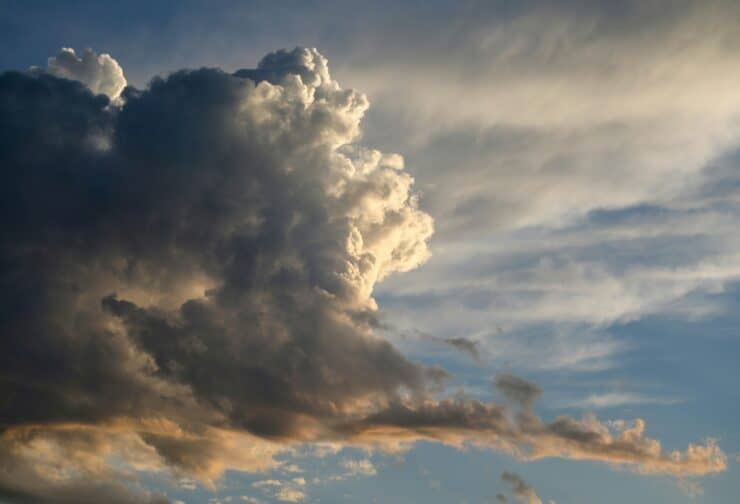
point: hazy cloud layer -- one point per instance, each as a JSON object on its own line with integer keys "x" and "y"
{"x": 552, "y": 110}
{"x": 187, "y": 278}
{"x": 569, "y": 156}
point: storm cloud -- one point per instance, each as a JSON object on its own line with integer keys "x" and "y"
{"x": 186, "y": 282}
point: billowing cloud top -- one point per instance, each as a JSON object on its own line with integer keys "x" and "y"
{"x": 187, "y": 283}
{"x": 101, "y": 74}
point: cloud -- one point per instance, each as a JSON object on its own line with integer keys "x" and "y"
{"x": 215, "y": 263}
{"x": 543, "y": 111}
{"x": 362, "y": 467}
{"x": 100, "y": 73}
{"x": 243, "y": 229}
{"x": 187, "y": 284}
{"x": 75, "y": 462}
{"x": 520, "y": 432}
{"x": 71, "y": 464}
{"x": 518, "y": 389}
{"x": 266, "y": 483}
{"x": 464, "y": 345}
{"x": 613, "y": 399}
{"x": 284, "y": 491}
{"x": 523, "y": 492}
{"x": 563, "y": 289}
{"x": 692, "y": 489}
{"x": 251, "y": 500}
{"x": 562, "y": 181}
{"x": 288, "y": 494}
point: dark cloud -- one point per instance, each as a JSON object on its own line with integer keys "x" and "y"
{"x": 464, "y": 345}
{"x": 225, "y": 194}
{"x": 186, "y": 279}
{"x": 201, "y": 252}
{"x": 523, "y": 492}
{"x": 518, "y": 389}
{"x": 461, "y": 344}
{"x": 461, "y": 420}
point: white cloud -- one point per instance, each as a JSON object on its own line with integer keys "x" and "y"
{"x": 361, "y": 467}
{"x": 101, "y": 73}
{"x": 266, "y": 483}
{"x": 614, "y": 399}
{"x": 290, "y": 494}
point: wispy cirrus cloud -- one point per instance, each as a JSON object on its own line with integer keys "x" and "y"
{"x": 615, "y": 399}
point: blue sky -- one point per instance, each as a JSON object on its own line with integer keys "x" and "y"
{"x": 580, "y": 163}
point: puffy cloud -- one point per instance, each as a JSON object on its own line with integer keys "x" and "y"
{"x": 225, "y": 216}
{"x": 289, "y": 494}
{"x": 362, "y": 467}
{"x": 100, "y": 73}
{"x": 186, "y": 281}
{"x": 213, "y": 267}
{"x": 353, "y": 468}
{"x": 289, "y": 491}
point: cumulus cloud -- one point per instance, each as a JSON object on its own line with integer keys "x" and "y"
{"x": 100, "y": 73}
{"x": 197, "y": 296}
{"x": 216, "y": 263}
{"x": 224, "y": 216}
{"x": 288, "y": 491}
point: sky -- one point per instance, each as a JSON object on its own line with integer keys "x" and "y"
{"x": 369, "y": 252}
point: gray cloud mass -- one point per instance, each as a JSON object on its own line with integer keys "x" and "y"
{"x": 187, "y": 275}
{"x": 523, "y": 492}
